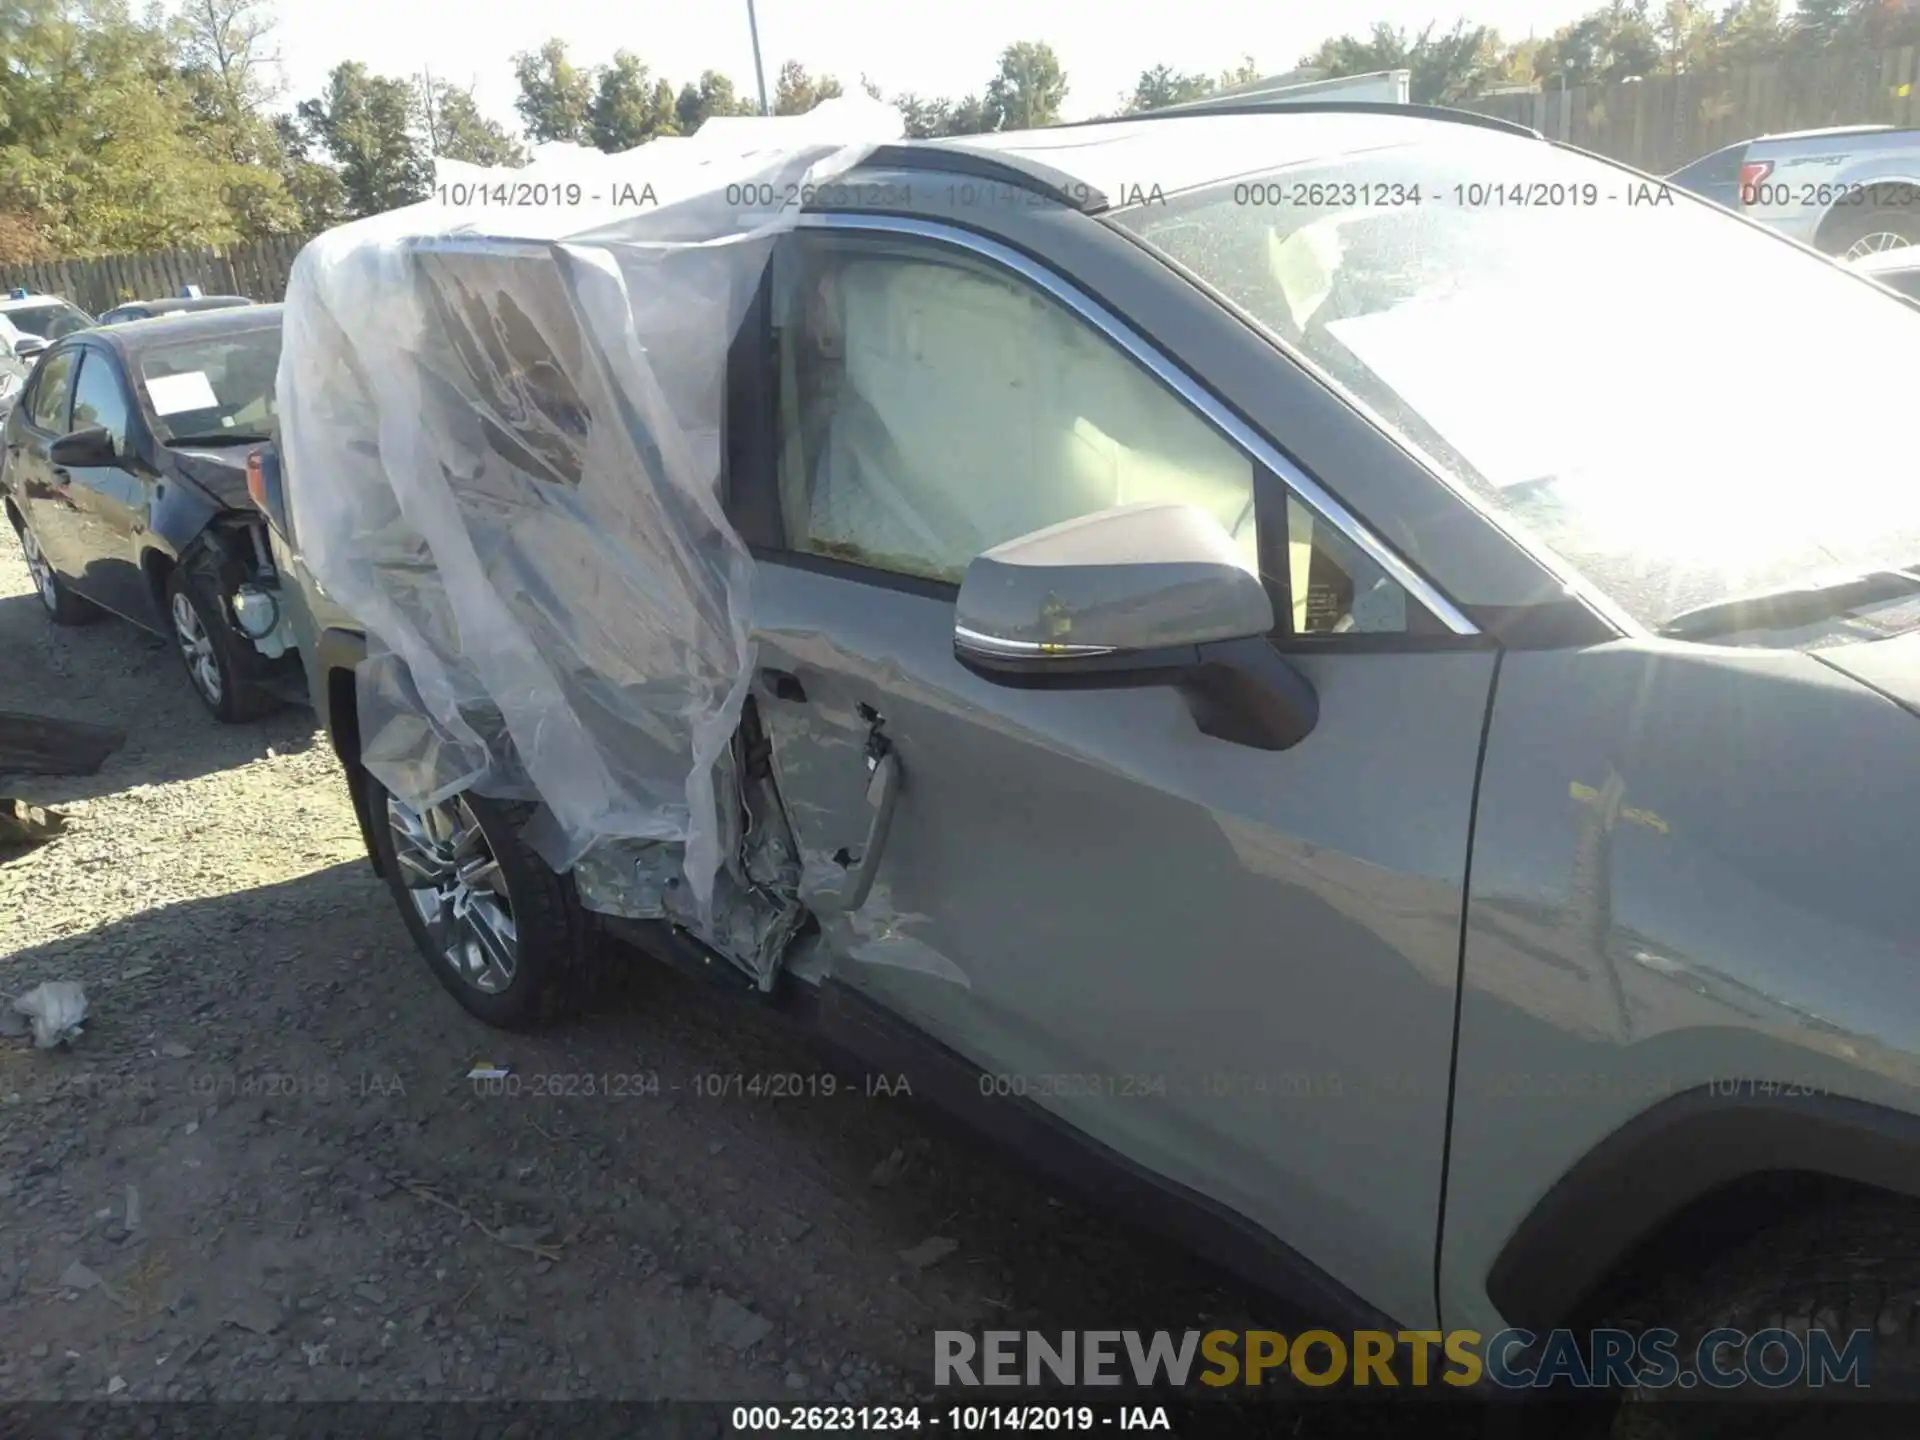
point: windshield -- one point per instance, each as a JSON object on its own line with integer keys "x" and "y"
{"x": 1682, "y": 405}
{"x": 217, "y": 388}
{"x": 54, "y": 320}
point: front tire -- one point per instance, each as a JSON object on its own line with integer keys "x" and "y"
{"x": 211, "y": 650}
{"x": 1850, "y": 1265}
{"x": 501, "y": 932}
{"x": 63, "y": 607}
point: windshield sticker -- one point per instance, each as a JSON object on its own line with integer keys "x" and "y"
{"x": 177, "y": 394}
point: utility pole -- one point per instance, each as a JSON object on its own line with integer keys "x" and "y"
{"x": 759, "y": 75}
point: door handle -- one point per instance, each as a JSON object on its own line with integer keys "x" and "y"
{"x": 883, "y": 788}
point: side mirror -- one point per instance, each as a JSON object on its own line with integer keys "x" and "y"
{"x": 92, "y": 446}
{"x": 1152, "y": 594}
{"x": 28, "y": 346}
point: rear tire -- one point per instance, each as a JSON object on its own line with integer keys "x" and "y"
{"x": 1849, "y": 1265}
{"x": 503, "y": 933}
{"x": 212, "y": 651}
{"x": 63, "y": 607}
{"x": 1885, "y": 228}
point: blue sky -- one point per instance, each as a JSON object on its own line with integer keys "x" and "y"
{"x": 933, "y": 50}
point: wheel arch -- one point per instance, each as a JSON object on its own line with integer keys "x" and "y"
{"x": 157, "y": 566}
{"x": 337, "y": 658}
{"x": 1583, "y": 1237}
{"x": 1900, "y": 192}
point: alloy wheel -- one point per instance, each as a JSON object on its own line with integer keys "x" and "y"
{"x": 455, "y": 882}
{"x": 1876, "y": 242}
{"x": 197, "y": 647}
{"x": 38, "y": 567}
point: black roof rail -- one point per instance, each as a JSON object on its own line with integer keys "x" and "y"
{"x": 1322, "y": 107}
{"x": 989, "y": 167}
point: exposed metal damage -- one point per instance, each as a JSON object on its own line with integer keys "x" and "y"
{"x": 756, "y": 906}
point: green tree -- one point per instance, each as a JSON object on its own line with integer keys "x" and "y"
{"x": 712, "y": 95}
{"x": 1161, "y": 86}
{"x": 556, "y": 96}
{"x": 226, "y": 60}
{"x": 1612, "y": 43}
{"x": 314, "y": 187}
{"x": 456, "y": 130}
{"x": 1444, "y": 68}
{"x": 1823, "y": 21}
{"x": 1751, "y": 32}
{"x": 101, "y": 145}
{"x": 226, "y": 72}
{"x": 923, "y": 118}
{"x": 969, "y": 115}
{"x": 368, "y": 125}
{"x": 1245, "y": 73}
{"x": 796, "y": 92}
{"x": 629, "y": 106}
{"x": 1028, "y": 89}
{"x": 1687, "y": 35}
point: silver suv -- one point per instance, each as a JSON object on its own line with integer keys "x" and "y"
{"x": 1847, "y": 191}
{"x": 1424, "y": 812}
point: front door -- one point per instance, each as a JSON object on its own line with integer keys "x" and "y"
{"x": 46, "y": 501}
{"x": 111, "y": 502}
{"x": 1236, "y": 967}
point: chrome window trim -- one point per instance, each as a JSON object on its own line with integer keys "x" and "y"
{"x": 1302, "y": 486}
{"x": 984, "y": 644}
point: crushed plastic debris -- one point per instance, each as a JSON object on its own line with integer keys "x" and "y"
{"x": 487, "y": 1070}
{"x": 56, "y": 1008}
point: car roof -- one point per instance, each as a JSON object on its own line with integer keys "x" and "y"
{"x": 171, "y": 303}
{"x": 130, "y": 337}
{"x": 29, "y": 302}
{"x": 1825, "y": 130}
{"x": 1099, "y": 162}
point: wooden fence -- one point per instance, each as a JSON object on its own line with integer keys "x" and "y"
{"x": 1660, "y": 123}
{"x": 258, "y": 270}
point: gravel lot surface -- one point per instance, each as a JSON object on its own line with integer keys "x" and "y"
{"x": 261, "y": 1173}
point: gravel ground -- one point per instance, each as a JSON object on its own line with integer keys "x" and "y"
{"x": 324, "y": 1206}
{"x": 261, "y": 1173}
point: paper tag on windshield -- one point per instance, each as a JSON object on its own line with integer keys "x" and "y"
{"x": 177, "y": 394}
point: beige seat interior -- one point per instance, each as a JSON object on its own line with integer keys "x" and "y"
{"x": 961, "y": 392}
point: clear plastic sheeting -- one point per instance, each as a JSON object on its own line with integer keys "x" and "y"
{"x": 501, "y": 411}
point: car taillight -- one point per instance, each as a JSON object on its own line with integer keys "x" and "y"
{"x": 1751, "y": 174}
